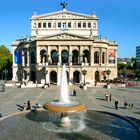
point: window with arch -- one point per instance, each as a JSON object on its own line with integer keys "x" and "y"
{"x": 75, "y": 54}
{"x": 65, "y": 56}
{"x": 33, "y": 60}
{"x": 103, "y": 57}
{"x": 96, "y": 57}
{"x": 54, "y": 56}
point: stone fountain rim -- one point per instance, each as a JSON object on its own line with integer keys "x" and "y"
{"x": 64, "y": 108}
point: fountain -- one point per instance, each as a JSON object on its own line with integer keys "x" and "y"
{"x": 59, "y": 122}
{"x": 63, "y": 105}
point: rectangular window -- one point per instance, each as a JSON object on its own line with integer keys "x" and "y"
{"x": 44, "y": 25}
{"x": 49, "y": 25}
{"x": 89, "y": 25}
{"x": 64, "y": 25}
{"x": 59, "y": 25}
{"x": 39, "y": 25}
{"x": 79, "y": 24}
{"x": 84, "y": 25}
{"x": 69, "y": 24}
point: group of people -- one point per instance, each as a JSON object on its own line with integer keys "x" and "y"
{"x": 129, "y": 106}
{"x": 108, "y": 97}
{"x": 27, "y": 106}
{"x": 126, "y": 105}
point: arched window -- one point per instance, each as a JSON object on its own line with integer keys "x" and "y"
{"x": 54, "y": 56}
{"x": 53, "y": 77}
{"x": 96, "y": 57}
{"x": 76, "y": 77}
{"x": 86, "y": 56}
{"x": 33, "y": 59}
{"x": 103, "y": 57}
{"x": 43, "y": 56}
{"x": 75, "y": 56}
{"x": 65, "y": 56}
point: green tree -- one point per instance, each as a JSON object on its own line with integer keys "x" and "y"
{"x": 5, "y": 60}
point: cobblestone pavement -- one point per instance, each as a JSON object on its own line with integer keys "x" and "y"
{"x": 93, "y": 97}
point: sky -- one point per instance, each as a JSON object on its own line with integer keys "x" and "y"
{"x": 119, "y": 20}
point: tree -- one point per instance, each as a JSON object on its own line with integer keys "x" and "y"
{"x": 5, "y": 61}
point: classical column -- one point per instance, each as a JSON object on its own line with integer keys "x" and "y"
{"x": 59, "y": 54}
{"x": 23, "y": 58}
{"x": 81, "y": 55}
{"x": 70, "y": 77}
{"x": 107, "y": 58}
{"x": 70, "y": 55}
{"x": 15, "y": 68}
{"x": 91, "y": 56}
{"x": 37, "y": 55}
{"x": 49, "y": 54}
{"x": 100, "y": 59}
{"x": 28, "y": 59}
{"x": 115, "y": 57}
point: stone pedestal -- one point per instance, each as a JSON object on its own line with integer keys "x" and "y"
{"x": 108, "y": 86}
{"x": 65, "y": 121}
{"x": 45, "y": 86}
{"x": 84, "y": 87}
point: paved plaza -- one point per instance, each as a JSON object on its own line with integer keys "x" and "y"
{"x": 93, "y": 97}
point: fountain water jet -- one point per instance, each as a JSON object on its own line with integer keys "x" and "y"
{"x": 64, "y": 106}
{"x": 64, "y": 92}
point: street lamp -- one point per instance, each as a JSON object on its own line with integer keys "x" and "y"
{"x": 84, "y": 72}
{"x": 45, "y": 73}
{"x": 108, "y": 73}
{"x": 36, "y": 73}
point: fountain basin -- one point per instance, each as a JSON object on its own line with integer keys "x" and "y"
{"x": 64, "y": 108}
{"x": 36, "y": 125}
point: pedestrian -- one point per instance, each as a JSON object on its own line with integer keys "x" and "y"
{"x": 24, "y": 106}
{"x": 74, "y": 92}
{"x": 125, "y": 104}
{"x": 28, "y": 105}
{"x": 131, "y": 106}
{"x": 3, "y": 88}
{"x": 95, "y": 83}
{"x": 107, "y": 97}
{"x": 110, "y": 96}
{"x": 38, "y": 105}
{"x": 116, "y": 104}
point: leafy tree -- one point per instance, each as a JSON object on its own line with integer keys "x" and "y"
{"x": 5, "y": 60}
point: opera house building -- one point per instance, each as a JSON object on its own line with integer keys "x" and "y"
{"x": 64, "y": 37}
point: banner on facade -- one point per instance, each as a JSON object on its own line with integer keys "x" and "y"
{"x": 17, "y": 57}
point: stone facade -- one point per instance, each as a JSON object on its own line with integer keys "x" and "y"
{"x": 64, "y": 37}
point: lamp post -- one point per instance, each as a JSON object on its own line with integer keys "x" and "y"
{"x": 45, "y": 73}
{"x": 36, "y": 73}
{"x": 84, "y": 72}
{"x": 108, "y": 73}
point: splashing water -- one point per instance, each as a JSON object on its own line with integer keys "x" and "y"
{"x": 64, "y": 91}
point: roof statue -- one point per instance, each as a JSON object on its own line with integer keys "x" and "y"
{"x": 63, "y": 4}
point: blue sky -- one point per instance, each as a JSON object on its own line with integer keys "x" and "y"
{"x": 119, "y": 20}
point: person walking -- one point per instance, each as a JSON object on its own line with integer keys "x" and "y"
{"x": 28, "y": 105}
{"x": 3, "y": 88}
{"x": 125, "y": 105}
{"x": 116, "y": 104}
{"x": 110, "y": 97}
{"x": 74, "y": 92}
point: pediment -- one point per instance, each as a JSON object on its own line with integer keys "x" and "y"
{"x": 63, "y": 36}
{"x": 63, "y": 15}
